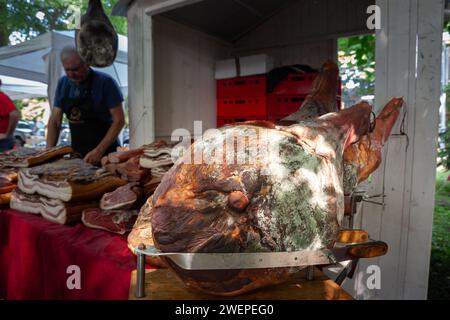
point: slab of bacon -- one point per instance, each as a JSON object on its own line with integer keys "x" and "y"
{"x": 8, "y": 182}
{"x": 51, "y": 209}
{"x": 28, "y": 157}
{"x": 68, "y": 180}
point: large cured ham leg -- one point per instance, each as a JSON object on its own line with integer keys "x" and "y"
{"x": 292, "y": 202}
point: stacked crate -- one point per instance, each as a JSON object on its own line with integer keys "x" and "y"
{"x": 246, "y": 98}
{"x": 289, "y": 94}
{"x": 241, "y": 99}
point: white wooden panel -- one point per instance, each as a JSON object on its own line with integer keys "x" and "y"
{"x": 185, "y": 88}
{"x": 140, "y": 72}
{"x": 430, "y": 21}
{"x": 393, "y": 174}
{"x": 408, "y": 171}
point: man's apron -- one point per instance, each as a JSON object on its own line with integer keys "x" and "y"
{"x": 86, "y": 129}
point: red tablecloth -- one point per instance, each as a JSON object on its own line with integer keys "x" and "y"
{"x": 35, "y": 255}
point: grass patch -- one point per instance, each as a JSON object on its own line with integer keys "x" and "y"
{"x": 439, "y": 280}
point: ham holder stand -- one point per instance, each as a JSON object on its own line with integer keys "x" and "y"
{"x": 351, "y": 246}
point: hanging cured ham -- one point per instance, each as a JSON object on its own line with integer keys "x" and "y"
{"x": 96, "y": 41}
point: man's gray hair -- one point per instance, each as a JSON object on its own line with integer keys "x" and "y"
{"x": 68, "y": 51}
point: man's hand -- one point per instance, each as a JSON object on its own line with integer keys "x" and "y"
{"x": 2, "y": 136}
{"x": 94, "y": 156}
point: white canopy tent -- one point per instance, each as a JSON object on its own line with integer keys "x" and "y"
{"x": 38, "y": 60}
{"x": 18, "y": 89}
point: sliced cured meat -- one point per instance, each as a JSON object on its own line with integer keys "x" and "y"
{"x": 68, "y": 180}
{"x": 111, "y": 167}
{"x": 151, "y": 182}
{"x": 131, "y": 170}
{"x": 157, "y": 154}
{"x": 51, "y": 209}
{"x": 6, "y": 186}
{"x": 123, "y": 156}
{"x": 117, "y": 221}
{"x": 124, "y": 197}
{"x": 163, "y": 159}
{"x": 104, "y": 161}
{"x": 28, "y": 157}
{"x": 5, "y": 199}
{"x": 9, "y": 174}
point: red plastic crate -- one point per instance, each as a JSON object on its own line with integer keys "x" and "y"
{"x": 295, "y": 83}
{"x": 279, "y": 106}
{"x": 223, "y": 121}
{"x": 242, "y": 107}
{"x": 241, "y": 87}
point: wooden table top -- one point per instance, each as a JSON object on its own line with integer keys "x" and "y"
{"x": 163, "y": 284}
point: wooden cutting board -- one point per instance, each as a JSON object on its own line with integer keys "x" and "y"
{"x": 163, "y": 284}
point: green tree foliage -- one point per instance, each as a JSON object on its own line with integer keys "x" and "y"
{"x": 22, "y": 20}
{"x": 357, "y": 63}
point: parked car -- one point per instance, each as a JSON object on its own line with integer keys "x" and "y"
{"x": 38, "y": 139}
{"x": 23, "y": 132}
{"x": 64, "y": 136}
{"x": 124, "y": 137}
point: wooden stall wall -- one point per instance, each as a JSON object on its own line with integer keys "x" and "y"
{"x": 185, "y": 89}
{"x": 305, "y": 32}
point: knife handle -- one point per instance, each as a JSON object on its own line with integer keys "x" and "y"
{"x": 352, "y": 236}
{"x": 368, "y": 250}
